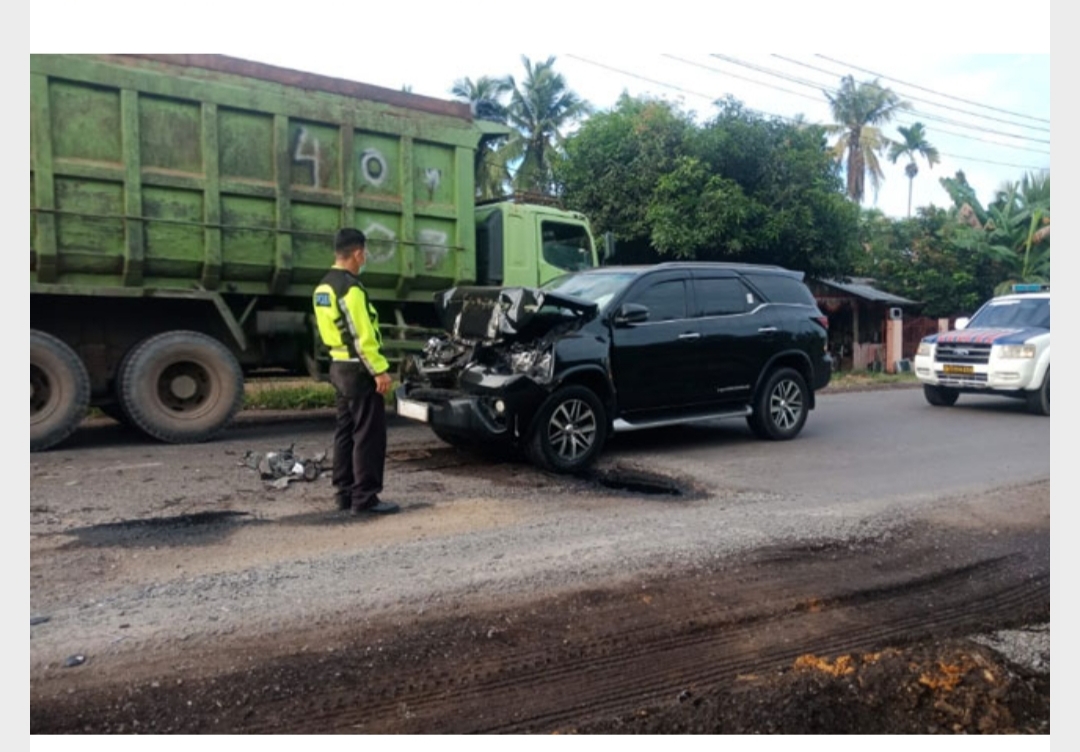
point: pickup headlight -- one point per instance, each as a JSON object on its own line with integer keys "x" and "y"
{"x": 925, "y": 350}
{"x": 1017, "y": 352}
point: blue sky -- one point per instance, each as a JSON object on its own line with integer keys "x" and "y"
{"x": 934, "y": 55}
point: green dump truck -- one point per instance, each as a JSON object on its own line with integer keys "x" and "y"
{"x": 182, "y": 209}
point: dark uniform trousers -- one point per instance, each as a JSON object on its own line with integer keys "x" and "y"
{"x": 360, "y": 435}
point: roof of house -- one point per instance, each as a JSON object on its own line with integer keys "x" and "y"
{"x": 861, "y": 287}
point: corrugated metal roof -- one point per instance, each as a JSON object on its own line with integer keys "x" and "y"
{"x": 862, "y": 288}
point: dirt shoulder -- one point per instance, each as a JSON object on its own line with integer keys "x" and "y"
{"x": 863, "y": 636}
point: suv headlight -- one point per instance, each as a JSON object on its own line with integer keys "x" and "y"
{"x": 925, "y": 350}
{"x": 1017, "y": 352}
{"x": 534, "y": 362}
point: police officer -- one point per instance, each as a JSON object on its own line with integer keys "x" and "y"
{"x": 349, "y": 327}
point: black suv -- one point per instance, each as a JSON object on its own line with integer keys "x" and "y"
{"x": 555, "y": 370}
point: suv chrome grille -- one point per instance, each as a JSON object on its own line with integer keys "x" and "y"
{"x": 966, "y": 353}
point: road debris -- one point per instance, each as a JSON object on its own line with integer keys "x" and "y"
{"x": 74, "y": 660}
{"x": 282, "y": 467}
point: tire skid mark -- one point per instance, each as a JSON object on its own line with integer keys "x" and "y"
{"x": 603, "y": 683}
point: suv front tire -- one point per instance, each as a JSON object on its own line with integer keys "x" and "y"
{"x": 569, "y": 430}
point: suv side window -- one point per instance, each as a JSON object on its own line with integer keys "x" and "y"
{"x": 779, "y": 288}
{"x": 666, "y": 300}
{"x": 722, "y": 296}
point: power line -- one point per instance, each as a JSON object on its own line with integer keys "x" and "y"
{"x": 925, "y": 115}
{"x": 949, "y": 96}
{"x": 819, "y": 87}
{"x": 791, "y": 120}
{"x": 712, "y": 99}
{"x": 990, "y": 161}
{"x": 743, "y": 78}
{"x": 933, "y": 104}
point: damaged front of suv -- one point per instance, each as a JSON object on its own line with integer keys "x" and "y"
{"x": 486, "y": 378}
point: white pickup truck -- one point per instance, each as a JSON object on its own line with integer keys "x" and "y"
{"x": 1003, "y": 349}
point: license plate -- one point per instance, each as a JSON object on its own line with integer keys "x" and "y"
{"x": 410, "y": 409}
{"x": 966, "y": 370}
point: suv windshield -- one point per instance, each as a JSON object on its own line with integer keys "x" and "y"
{"x": 597, "y": 288}
{"x": 1013, "y": 313}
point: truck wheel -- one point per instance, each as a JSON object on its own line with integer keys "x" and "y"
{"x": 781, "y": 406}
{"x": 115, "y": 409}
{"x": 59, "y": 390}
{"x": 181, "y": 387}
{"x": 568, "y": 432}
{"x": 940, "y": 396}
{"x": 1038, "y": 402}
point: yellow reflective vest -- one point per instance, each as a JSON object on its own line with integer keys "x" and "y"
{"x": 348, "y": 323}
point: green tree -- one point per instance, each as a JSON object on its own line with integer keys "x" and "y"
{"x": 859, "y": 110}
{"x": 614, "y": 163}
{"x": 738, "y": 188}
{"x": 541, "y": 109}
{"x": 1014, "y": 229}
{"x": 486, "y": 95}
{"x": 756, "y": 190}
{"x": 920, "y": 259}
{"x": 914, "y": 144}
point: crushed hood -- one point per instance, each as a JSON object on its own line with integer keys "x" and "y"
{"x": 494, "y": 313}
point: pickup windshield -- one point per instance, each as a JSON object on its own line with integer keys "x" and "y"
{"x": 1034, "y": 312}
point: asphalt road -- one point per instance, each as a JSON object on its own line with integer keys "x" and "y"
{"x": 142, "y": 552}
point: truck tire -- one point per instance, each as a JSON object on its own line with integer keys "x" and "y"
{"x": 568, "y": 432}
{"x": 115, "y": 409}
{"x": 1038, "y": 402}
{"x": 781, "y": 406}
{"x": 181, "y": 387}
{"x": 59, "y": 390}
{"x": 940, "y": 396}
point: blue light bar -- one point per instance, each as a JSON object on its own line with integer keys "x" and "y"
{"x": 1030, "y": 287}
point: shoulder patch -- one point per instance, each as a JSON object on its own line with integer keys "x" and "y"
{"x": 322, "y": 299}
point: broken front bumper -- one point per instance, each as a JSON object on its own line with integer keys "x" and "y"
{"x": 486, "y": 407}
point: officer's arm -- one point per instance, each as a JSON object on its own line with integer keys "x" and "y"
{"x": 354, "y": 310}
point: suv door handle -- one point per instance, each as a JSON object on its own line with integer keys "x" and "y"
{"x": 767, "y": 330}
{"x": 690, "y": 335}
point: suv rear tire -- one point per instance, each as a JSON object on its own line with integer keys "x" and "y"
{"x": 569, "y": 430}
{"x": 940, "y": 396}
{"x": 780, "y": 406}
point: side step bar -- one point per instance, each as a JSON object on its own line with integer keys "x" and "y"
{"x": 622, "y": 426}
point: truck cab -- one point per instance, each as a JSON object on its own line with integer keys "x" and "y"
{"x": 527, "y": 244}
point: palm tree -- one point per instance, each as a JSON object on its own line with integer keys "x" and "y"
{"x": 541, "y": 108}
{"x": 485, "y": 95}
{"x": 859, "y": 108}
{"x": 913, "y": 145}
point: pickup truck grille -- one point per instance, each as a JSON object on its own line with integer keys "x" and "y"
{"x": 968, "y": 380}
{"x": 967, "y": 354}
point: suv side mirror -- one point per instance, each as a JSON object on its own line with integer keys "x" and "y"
{"x": 631, "y": 313}
{"x": 962, "y": 322}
